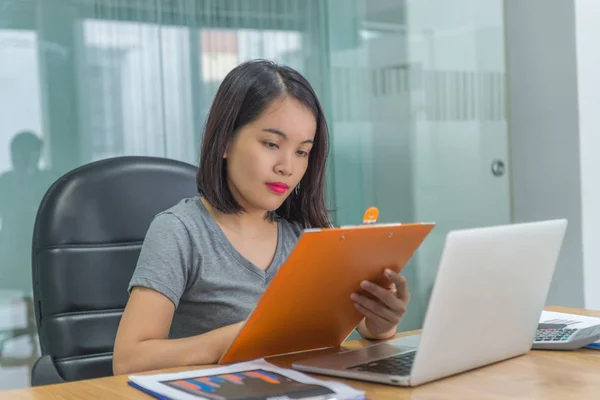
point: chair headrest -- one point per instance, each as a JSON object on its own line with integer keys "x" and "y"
{"x": 111, "y": 200}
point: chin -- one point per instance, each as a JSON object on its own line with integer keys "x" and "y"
{"x": 272, "y": 205}
{"x": 268, "y": 203}
{"x": 273, "y": 208}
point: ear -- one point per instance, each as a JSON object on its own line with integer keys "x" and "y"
{"x": 226, "y": 149}
{"x": 229, "y": 145}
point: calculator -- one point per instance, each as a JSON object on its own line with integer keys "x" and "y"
{"x": 563, "y": 337}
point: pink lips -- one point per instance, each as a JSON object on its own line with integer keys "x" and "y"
{"x": 278, "y": 187}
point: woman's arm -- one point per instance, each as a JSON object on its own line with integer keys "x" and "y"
{"x": 142, "y": 342}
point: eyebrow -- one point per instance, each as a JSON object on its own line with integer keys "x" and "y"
{"x": 283, "y": 135}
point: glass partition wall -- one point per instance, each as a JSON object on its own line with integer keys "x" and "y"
{"x": 414, "y": 92}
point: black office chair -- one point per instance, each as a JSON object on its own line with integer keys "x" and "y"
{"x": 87, "y": 237}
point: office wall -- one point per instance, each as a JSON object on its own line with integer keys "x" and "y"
{"x": 587, "y": 34}
{"x": 544, "y": 129}
{"x": 554, "y": 124}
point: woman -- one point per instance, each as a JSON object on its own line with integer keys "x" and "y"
{"x": 206, "y": 261}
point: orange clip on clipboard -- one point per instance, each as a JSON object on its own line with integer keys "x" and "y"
{"x": 307, "y": 305}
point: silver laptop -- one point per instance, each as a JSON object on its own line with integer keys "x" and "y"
{"x": 488, "y": 295}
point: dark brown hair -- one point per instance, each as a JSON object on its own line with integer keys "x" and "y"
{"x": 243, "y": 95}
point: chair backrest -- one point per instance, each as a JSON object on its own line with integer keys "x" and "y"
{"x": 87, "y": 237}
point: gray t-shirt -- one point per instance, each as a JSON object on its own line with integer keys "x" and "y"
{"x": 187, "y": 257}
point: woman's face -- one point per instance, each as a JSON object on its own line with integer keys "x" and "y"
{"x": 269, "y": 156}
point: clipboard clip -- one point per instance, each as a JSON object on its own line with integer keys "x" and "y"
{"x": 371, "y": 215}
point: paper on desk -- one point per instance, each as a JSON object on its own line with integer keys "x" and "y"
{"x": 249, "y": 379}
{"x": 573, "y": 320}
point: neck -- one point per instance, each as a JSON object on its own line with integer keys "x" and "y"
{"x": 248, "y": 223}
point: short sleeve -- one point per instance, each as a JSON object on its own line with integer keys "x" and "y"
{"x": 165, "y": 259}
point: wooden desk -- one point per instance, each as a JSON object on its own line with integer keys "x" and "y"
{"x": 537, "y": 375}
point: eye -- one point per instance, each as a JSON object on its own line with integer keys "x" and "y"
{"x": 270, "y": 145}
{"x": 302, "y": 153}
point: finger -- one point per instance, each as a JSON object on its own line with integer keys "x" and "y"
{"x": 400, "y": 283}
{"x": 395, "y": 278}
{"x": 376, "y": 308}
{"x": 384, "y": 295}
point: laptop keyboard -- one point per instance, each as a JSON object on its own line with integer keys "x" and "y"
{"x": 400, "y": 364}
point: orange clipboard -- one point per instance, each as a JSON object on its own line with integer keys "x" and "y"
{"x": 307, "y": 305}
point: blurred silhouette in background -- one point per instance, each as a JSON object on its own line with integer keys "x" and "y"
{"x": 21, "y": 190}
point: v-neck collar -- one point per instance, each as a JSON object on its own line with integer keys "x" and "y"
{"x": 236, "y": 255}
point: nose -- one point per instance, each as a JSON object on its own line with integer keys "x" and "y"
{"x": 284, "y": 165}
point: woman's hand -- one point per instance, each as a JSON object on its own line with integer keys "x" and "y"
{"x": 384, "y": 312}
